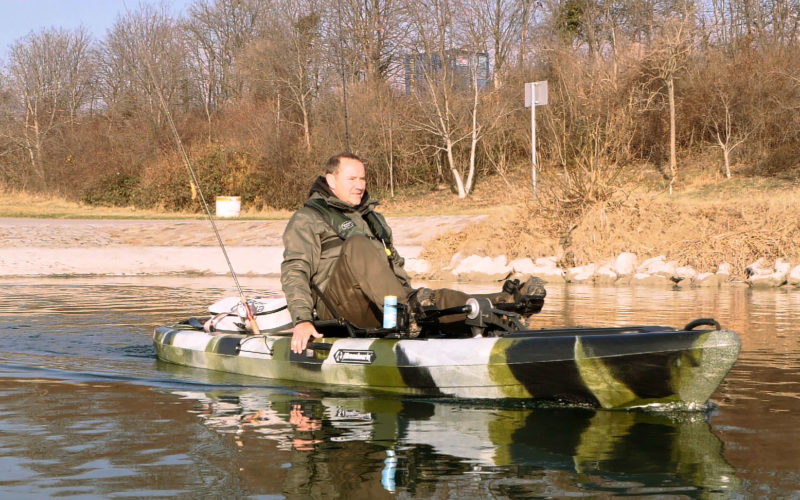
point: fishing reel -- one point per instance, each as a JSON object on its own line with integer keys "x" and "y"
{"x": 486, "y": 320}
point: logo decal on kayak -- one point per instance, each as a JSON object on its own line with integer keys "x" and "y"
{"x": 355, "y": 357}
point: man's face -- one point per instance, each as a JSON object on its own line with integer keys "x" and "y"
{"x": 349, "y": 182}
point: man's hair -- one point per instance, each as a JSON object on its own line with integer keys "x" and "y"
{"x": 332, "y": 166}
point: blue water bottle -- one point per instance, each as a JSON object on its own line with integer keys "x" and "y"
{"x": 390, "y": 311}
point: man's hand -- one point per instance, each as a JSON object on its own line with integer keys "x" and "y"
{"x": 300, "y": 335}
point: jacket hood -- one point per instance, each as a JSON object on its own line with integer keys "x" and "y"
{"x": 321, "y": 188}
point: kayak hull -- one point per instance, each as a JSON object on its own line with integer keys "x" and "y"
{"x": 609, "y": 368}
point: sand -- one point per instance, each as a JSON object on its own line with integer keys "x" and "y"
{"x": 57, "y": 247}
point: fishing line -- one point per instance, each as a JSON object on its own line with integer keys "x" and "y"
{"x": 196, "y": 182}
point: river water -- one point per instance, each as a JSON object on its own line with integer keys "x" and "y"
{"x": 87, "y": 411}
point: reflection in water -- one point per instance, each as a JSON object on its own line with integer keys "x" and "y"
{"x": 613, "y": 452}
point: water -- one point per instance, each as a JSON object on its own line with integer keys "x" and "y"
{"x": 87, "y": 411}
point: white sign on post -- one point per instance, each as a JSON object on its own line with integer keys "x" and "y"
{"x": 535, "y": 95}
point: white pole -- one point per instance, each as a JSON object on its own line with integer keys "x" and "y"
{"x": 533, "y": 137}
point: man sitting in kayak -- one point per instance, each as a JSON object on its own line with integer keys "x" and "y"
{"x": 339, "y": 259}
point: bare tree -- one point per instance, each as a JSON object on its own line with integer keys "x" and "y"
{"x": 51, "y": 75}
{"x": 373, "y": 31}
{"x": 666, "y": 58}
{"x": 286, "y": 62}
{"x": 524, "y": 14}
{"x": 497, "y": 23}
{"x": 432, "y": 68}
{"x": 143, "y": 49}
{"x": 722, "y": 128}
{"x": 216, "y": 33}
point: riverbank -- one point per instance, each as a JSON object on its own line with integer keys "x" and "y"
{"x": 69, "y": 247}
{"x": 742, "y": 231}
{"x": 732, "y": 231}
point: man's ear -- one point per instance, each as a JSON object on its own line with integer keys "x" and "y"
{"x": 331, "y": 181}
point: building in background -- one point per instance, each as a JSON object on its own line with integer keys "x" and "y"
{"x": 460, "y": 65}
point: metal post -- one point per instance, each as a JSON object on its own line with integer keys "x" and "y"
{"x": 535, "y": 95}
{"x": 533, "y": 143}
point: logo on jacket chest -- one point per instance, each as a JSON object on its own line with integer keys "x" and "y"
{"x": 346, "y": 226}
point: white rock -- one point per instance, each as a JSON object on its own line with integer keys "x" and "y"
{"x": 581, "y": 274}
{"x": 625, "y": 263}
{"x": 782, "y": 266}
{"x": 767, "y": 280}
{"x": 483, "y": 265}
{"x": 724, "y": 268}
{"x": 762, "y": 275}
{"x": 522, "y": 266}
{"x": 454, "y": 260}
{"x": 647, "y": 266}
{"x": 605, "y": 274}
{"x": 652, "y": 280}
{"x": 544, "y": 267}
{"x": 551, "y": 261}
{"x": 759, "y": 267}
{"x": 417, "y": 266}
{"x": 550, "y": 274}
{"x": 707, "y": 280}
{"x": 670, "y": 268}
{"x": 663, "y": 269}
{"x": 686, "y": 273}
{"x": 794, "y": 276}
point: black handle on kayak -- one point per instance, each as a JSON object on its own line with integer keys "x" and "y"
{"x": 702, "y": 321}
{"x": 319, "y": 346}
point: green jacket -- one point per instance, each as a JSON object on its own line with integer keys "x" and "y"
{"x": 311, "y": 248}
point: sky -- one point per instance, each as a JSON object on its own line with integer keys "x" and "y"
{"x": 20, "y": 17}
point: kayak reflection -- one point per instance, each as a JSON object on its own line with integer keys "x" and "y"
{"x": 411, "y": 442}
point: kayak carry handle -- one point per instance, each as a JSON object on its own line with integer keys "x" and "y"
{"x": 319, "y": 346}
{"x": 702, "y": 321}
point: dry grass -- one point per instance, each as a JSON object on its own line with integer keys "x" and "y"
{"x": 733, "y": 221}
{"x": 490, "y": 197}
{"x": 19, "y": 204}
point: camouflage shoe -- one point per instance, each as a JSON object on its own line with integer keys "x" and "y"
{"x": 534, "y": 288}
{"x": 529, "y": 296}
{"x": 421, "y": 300}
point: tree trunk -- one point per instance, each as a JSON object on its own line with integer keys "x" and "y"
{"x": 726, "y": 156}
{"x": 527, "y": 6}
{"x": 672, "y": 161}
{"x": 306, "y": 131}
{"x": 391, "y": 163}
{"x": 474, "y": 143}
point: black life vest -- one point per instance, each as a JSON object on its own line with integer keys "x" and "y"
{"x": 344, "y": 227}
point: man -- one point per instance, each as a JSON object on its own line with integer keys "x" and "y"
{"x": 339, "y": 259}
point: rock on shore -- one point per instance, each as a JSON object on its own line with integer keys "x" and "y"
{"x": 624, "y": 269}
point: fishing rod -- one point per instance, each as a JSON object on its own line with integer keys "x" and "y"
{"x": 193, "y": 175}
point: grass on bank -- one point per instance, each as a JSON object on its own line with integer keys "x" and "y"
{"x": 26, "y": 205}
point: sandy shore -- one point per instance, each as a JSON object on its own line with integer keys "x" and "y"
{"x": 51, "y": 247}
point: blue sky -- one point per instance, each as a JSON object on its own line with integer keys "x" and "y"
{"x": 20, "y": 17}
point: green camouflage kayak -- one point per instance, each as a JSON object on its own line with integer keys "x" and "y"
{"x": 619, "y": 367}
